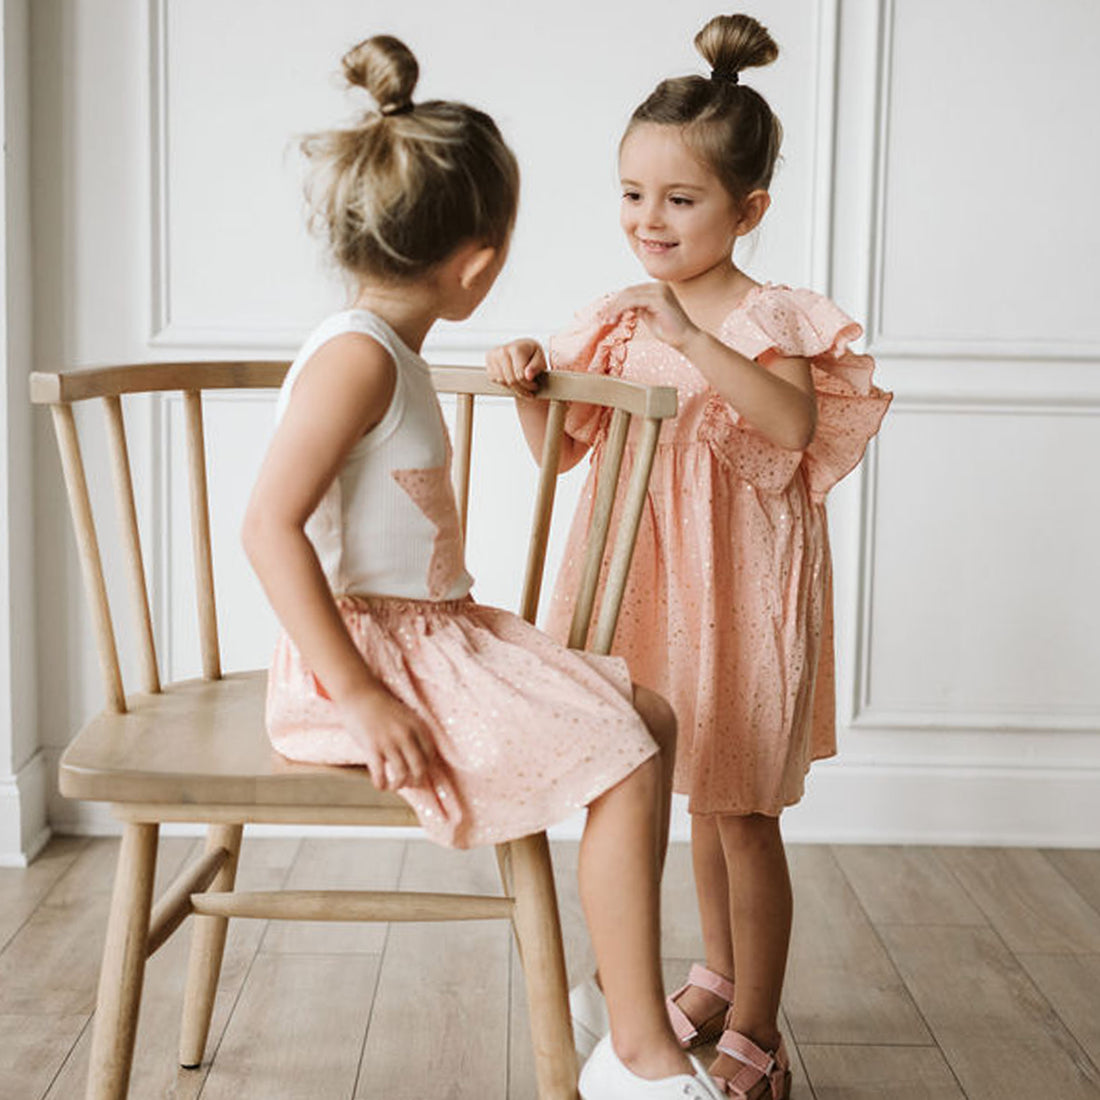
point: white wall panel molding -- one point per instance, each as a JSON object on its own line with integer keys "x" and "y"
{"x": 166, "y": 331}
{"x": 1016, "y": 404}
{"x": 994, "y": 384}
{"x": 463, "y": 346}
{"x": 808, "y": 32}
{"x": 881, "y": 341}
{"x": 827, "y": 14}
{"x": 851, "y": 706}
{"x": 158, "y": 176}
{"x": 885, "y": 346}
{"x": 865, "y": 712}
{"x": 878, "y": 163}
{"x": 868, "y": 716}
{"x": 975, "y": 750}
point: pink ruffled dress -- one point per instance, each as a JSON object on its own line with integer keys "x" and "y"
{"x": 728, "y": 607}
{"x": 527, "y": 731}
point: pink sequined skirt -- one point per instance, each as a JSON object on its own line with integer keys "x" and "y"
{"x": 528, "y": 731}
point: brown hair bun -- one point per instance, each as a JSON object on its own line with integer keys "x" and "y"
{"x": 729, "y": 126}
{"x": 733, "y": 43}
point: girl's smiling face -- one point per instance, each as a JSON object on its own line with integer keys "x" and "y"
{"x": 679, "y": 219}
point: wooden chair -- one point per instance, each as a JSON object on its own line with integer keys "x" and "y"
{"x": 197, "y": 751}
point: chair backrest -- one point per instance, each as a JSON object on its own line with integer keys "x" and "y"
{"x": 624, "y": 400}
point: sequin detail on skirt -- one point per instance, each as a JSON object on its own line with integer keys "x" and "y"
{"x": 728, "y": 607}
{"x": 528, "y": 731}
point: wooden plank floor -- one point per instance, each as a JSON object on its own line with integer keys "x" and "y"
{"x": 915, "y": 973}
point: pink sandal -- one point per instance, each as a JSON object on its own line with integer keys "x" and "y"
{"x": 758, "y": 1065}
{"x": 689, "y": 1033}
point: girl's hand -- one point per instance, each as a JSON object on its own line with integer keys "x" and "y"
{"x": 399, "y": 747}
{"x": 659, "y": 308}
{"x": 517, "y": 365}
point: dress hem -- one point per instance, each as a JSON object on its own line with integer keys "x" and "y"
{"x": 487, "y": 835}
{"x": 774, "y": 811}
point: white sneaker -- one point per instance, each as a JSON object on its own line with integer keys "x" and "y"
{"x": 604, "y": 1077}
{"x": 590, "y": 1020}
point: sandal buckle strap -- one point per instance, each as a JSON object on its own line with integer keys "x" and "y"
{"x": 686, "y": 1029}
{"x": 682, "y": 1024}
{"x": 756, "y": 1065}
{"x": 714, "y": 983}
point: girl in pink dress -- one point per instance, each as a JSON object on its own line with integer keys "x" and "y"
{"x": 488, "y": 728}
{"x": 728, "y": 609}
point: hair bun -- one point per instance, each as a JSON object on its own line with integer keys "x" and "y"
{"x": 731, "y": 43}
{"x": 386, "y": 68}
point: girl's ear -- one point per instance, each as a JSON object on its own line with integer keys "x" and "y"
{"x": 753, "y": 208}
{"x": 475, "y": 263}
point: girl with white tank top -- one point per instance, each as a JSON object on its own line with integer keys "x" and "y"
{"x": 488, "y": 728}
{"x": 386, "y": 534}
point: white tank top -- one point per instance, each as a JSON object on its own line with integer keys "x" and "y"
{"x": 388, "y": 524}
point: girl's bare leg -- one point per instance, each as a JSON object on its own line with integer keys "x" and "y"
{"x": 760, "y": 915}
{"x": 712, "y": 890}
{"x": 660, "y": 719}
{"x": 619, "y": 889}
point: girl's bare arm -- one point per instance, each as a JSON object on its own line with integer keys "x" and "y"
{"x": 341, "y": 393}
{"x": 778, "y": 400}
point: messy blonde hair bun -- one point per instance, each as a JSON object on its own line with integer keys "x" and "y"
{"x": 386, "y": 68}
{"x": 400, "y": 190}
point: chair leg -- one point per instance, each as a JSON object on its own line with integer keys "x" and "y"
{"x": 123, "y": 968}
{"x": 538, "y": 931}
{"x": 504, "y": 865}
{"x": 207, "y": 947}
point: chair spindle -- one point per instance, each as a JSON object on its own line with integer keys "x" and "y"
{"x": 200, "y": 537}
{"x": 619, "y": 566}
{"x": 611, "y": 461}
{"x": 464, "y": 438}
{"x": 131, "y": 541}
{"x": 91, "y": 564}
{"x": 544, "y": 506}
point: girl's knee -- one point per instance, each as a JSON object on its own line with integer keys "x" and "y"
{"x": 745, "y": 830}
{"x": 659, "y": 717}
{"x": 642, "y": 784}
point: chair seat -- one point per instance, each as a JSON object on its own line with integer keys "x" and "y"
{"x": 204, "y": 741}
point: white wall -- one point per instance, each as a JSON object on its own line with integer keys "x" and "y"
{"x": 23, "y": 769}
{"x": 934, "y": 186}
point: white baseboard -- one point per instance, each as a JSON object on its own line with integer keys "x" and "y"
{"x": 23, "y": 817}
{"x": 948, "y": 804}
{"x": 844, "y": 804}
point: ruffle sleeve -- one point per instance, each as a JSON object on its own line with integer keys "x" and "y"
{"x": 598, "y": 347}
{"x": 781, "y": 322}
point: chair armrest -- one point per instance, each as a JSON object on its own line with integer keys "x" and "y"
{"x": 646, "y": 401}
{"x": 65, "y": 387}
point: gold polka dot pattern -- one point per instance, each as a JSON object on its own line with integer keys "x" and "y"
{"x": 728, "y": 608}
{"x": 528, "y": 731}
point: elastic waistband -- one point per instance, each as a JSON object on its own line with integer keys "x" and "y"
{"x": 364, "y": 602}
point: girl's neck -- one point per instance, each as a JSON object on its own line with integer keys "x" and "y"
{"x": 410, "y": 309}
{"x": 708, "y": 297}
